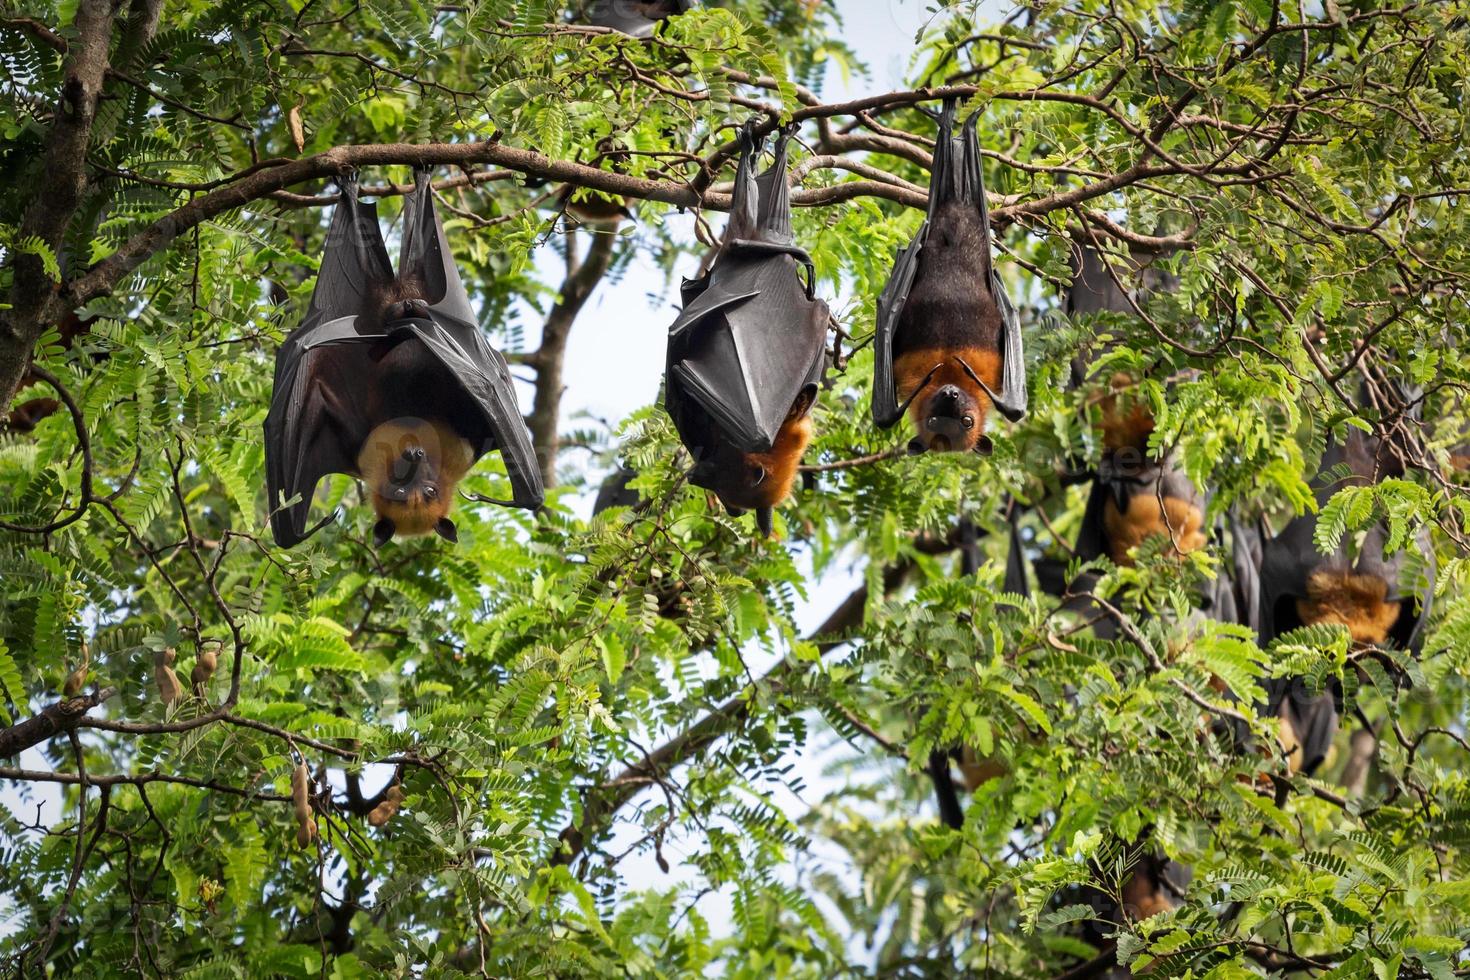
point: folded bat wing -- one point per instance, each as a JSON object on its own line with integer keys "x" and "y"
{"x": 751, "y": 336}
{"x": 955, "y": 175}
{"x": 452, "y": 334}
{"x": 485, "y": 377}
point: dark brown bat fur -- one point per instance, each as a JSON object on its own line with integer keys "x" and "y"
{"x": 390, "y": 301}
{"x": 950, "y": 317}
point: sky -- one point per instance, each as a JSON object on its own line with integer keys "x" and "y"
{"x": 620, "y": 335}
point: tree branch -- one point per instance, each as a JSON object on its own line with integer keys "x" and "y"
{"x": 63, "y": 716}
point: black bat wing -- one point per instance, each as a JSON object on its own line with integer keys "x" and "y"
{"x": 1094, "y": 289}
{"x": 451, "y": 334}
{"x": 353, "y": 260}
{"x": 425, "y": 254}
{"x": 317, "y": 421}
{"x": 955, "y": 174}
{"x": 483, "y": 375}
{"x": 895, "y": 296}
{"x": 318, "y": 416}
{"x": 1311, "y": 720}
{"x": 751, "y": 336}
{"x": 615, "y": 491}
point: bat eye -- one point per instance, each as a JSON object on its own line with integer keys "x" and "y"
{"x": 431, "y": 492}
{"x": 969, "y": 421}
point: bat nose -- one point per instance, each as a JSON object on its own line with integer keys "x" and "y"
{"x": 414, "y": 455}
{"x": 948, "y": 396}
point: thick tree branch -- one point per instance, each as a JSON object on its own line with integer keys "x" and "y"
{"x": 63, "y": 716}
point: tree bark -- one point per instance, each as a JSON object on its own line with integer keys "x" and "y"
{"x": 35, "y": 297}
{"x": 62, "y": 716}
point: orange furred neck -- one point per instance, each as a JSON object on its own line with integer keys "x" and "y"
{"x": 781, "y": 462}
{"x": 920, "y": 376}
{"x": 1355, "y": 601}
{"x": 1178, "y": 520}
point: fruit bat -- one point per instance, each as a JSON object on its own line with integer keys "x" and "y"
{"x": 974, "y": 769}
{"x": 1367, "y": 593}
{"x": 389, "y": 379}
{"x": 747, "y": 352}
{"x": 948, "y": 341}
{"x": 1134, "y": 496}
{"x": 634, "y": 17}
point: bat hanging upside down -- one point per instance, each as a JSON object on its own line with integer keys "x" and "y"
{"x": 389, "y": 379}
{"x": 747, "y": 353}
{"x": 946, "y": 348}
{"x": 948, "y": 343}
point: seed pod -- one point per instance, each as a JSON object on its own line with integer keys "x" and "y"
{"x": 204, "y": 667}
{"x": 169, "y": 688}
{"x": 386, "y": 810}
{"x": 298, "y": 131}
{"x": 305, "y": 833}
{"x": 78, "y": 677}
{"x": 300, "y": 801}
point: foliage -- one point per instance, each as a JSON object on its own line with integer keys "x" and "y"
{"x": 565, "y": 699}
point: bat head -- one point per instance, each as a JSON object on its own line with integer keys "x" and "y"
{"x": 951, "y": 419}
{"x": 411, "y": 467}
{"x": 759, "y": 481}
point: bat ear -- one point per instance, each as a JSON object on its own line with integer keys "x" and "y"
{"x": 383, "y": 532}
{"x": 763, "y": 521}
{"x": 983, "y": 445}
{"x": 735, "y": 511}
{"x": 804, "y": 402}
{"x": 445, "y": 528}
{"x": 916, "y": 447}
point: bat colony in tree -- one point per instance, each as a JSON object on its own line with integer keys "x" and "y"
{"x": 389, "y": 379}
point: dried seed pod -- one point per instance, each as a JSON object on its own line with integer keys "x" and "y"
{"x": 386, "y": 810}
{"x": 300, "y": 801}
{"x": 298, "y": 131}
{"x": 205, "y": 665}
{"x": 305, "y": 833}
{"x": 78, "y": 677}
{"x": 169, "y": 688}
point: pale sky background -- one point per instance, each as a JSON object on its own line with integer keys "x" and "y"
{"x": 620, "y": 335}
